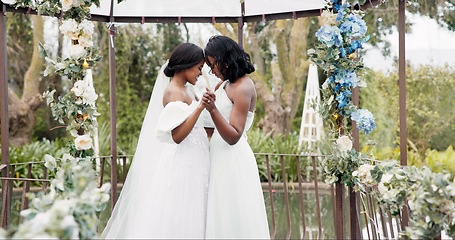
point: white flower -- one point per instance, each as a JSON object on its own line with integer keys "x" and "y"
{"x": 87, "y": 27}
{"x": 386, "y": 177}
{"x": 66, "y": 5}
{"x": 344, "y": 143}
{"x": 83, "y": 142}
{"x": 73, "y": 133}
{"x": 50, "y": 162}
{"x": 328, "y": 18}
{"x": 67, "y": 223}
{"x": 67, "y": 157}
{"x": 89, "y": 96}
{"x": 85, "y": 41}
{"x": 382, "y": 188}
{"x": 79, "y": 88}
{"x": 60, "y": 65}
{"x": 69, "y": 28}
{"x": 77, "y": 51}
{"x": 325, "y": 85}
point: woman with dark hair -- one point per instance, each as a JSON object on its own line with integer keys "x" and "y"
{"x": 235, "y": 207}
{"x": 165, "y": 193}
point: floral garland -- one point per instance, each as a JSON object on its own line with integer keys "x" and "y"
{"x": 340, "y": 37}
{"x": 69, "y": 209}
{"x": 430, "y": 197}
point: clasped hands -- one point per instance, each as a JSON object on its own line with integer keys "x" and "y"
{"x": 208, "y": 99}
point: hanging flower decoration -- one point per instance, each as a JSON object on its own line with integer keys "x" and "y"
{"x": 342, "y": 34}
{"x": 67, "y": 9}
{"x": 69, "y": 209}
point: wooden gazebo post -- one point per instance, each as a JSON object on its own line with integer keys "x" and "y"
{"x": 402, "y": 97}
{"x": 4, "y": 119}
{"x": 113, "y": 106}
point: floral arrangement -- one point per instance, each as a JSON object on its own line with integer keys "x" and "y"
{"x": 67, "y": 9}
{"x": 69, "y": 209}
{"x": 342, "y": 34}
{"x": 430, "y": 197}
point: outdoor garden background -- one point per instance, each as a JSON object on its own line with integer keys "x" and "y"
{"x": 282, "y": 67}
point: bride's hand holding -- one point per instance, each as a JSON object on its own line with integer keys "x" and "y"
{"x": 208, "y": 99}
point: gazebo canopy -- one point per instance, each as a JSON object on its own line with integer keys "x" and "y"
{"x": 199, "y": 10}
{"x": 218, "y": 9}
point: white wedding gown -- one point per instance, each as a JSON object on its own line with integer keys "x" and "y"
{"x": 165, "y": 194}
{"x": 236, "y": 208}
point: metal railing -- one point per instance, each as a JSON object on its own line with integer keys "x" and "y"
{"x": 299, "y": 204}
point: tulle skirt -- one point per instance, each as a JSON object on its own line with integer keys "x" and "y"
{"x": 236, "y": 208}
{"x": 172, "y": 204}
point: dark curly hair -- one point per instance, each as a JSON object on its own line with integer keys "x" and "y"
{"x": 232, "y": 61}
{"x": 184, "y": 56}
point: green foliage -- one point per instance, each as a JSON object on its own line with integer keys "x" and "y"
{"x": 19, "y": 48}
{"x": 283, "y": 144}
{"x": 429, "y": 95}
{"x": 34, "y": 152}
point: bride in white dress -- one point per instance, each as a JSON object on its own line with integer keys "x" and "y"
{"x": 236, "y": 208}
{"x": 165, "y": 193}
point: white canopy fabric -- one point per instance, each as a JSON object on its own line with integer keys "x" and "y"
{"x": 203, "y": 8}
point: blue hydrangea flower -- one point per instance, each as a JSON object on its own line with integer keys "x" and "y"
{"x": 354, "y": 26}
{"x": 364, "y": 120}
{"x": 344, "y": 99}
{"x": 341, "y": 11}
{"x": 354, "y": 46}
{"x": 330, "y": 36}
{"x": 347, "y": 78}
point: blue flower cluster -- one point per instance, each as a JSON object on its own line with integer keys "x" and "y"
{"x": 330, "y": 36}
{"x": 364, "y": 120}
{"x": 341, "y": 82}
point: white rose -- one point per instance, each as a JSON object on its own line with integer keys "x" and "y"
{"x": 69, "y": 28}
{"x": 77, "y": 51}
{"x": 89, "y": 96}
{"x": 79, "y": 88}
{"x": 344, "y": 143}
{"x": 50, "y": 162}
{"x": 66, "y": 4}
{"x": 87, "y": 27}
{"x": 83, "y": 142}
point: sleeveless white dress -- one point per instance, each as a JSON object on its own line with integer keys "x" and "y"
{"x": 235, "y": 207}
{"x": 172, "y": 202}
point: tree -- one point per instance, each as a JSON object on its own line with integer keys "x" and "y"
{"x": 429, "y": 96}
{"x": 383, "y": 19}
{"x": 280, "y": 75}
{"x": 24, "y": 100}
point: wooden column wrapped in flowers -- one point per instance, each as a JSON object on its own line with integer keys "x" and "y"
{"x": 342, "y": 34}
{"x": 430, "y": 197}
{"x": 69, "y": 209}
